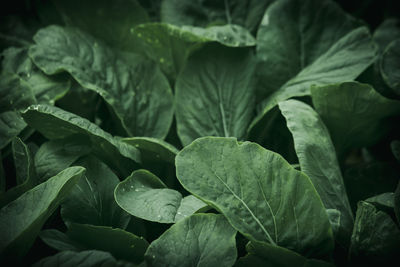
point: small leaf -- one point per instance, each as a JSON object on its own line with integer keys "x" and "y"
{"x": 91, "y": 200}
{"x": 199, "y": 240}
{"x": 145, "y": 196}
{"x": 56, "y": 155}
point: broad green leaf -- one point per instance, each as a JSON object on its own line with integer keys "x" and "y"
{"x": 26, "y": 177}
{"x": 261, "y": 195}
{"x": 56, "y": 155}
{"x": 263, "y": 254}
{"x": 301, "y": 43}
{"x": 152, "y": 149}
{"x": 376, "y": 178}
{"x": 354, "y": 113}
{"x": 171, "y": 45}
{"x": 55, "y": 123}
{"x": 247, "y": 13}
{"x": 22, "y": 219}
{"x": 110, "y": 21}
{"x": 121, "y": 244}
{"x": 145, "y": 196}
{"x": 376, "y": 237}
{"x": 86, "y": 258}
{"x": 91, "y": 200}
{"x": 214, "y": 94}
{"x": 199, "y": 240}
{"x": 135, "y": 89}
{"x": 390, "y": 65}
{"x": 59, "y": 240}
{"x": 384, "y": 199}
{"x": 317, "y": 158}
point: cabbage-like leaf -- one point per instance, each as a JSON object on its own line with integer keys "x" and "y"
{"x": 261, "y": 195}
{"x": 199, "y": 240}
{"x": 215, "y": 94}
{"x": 135, "y": 89}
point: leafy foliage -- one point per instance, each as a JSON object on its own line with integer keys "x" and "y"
{"x": 199, "y": 133}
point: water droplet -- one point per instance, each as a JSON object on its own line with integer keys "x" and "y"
{"x": 95, "y": 44}
{"x": 137, "y": 145}
{"x": 162, "y": 60}
{"x": 139, "y": 35}
{"x": 131, "y": 186}
{"x": 136, "y": 190}
{"x": 132, "y": 30}
{"x": 157, "y": 156}
{"x": 179, "y": 213}
{"x": 149, "y": 40}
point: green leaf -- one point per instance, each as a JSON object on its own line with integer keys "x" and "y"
{"x": 135, "y": 89}
{"x": 263, "y": 254}
{"x": 23, "y": 161}
{"x": 81, "y": 259}
{"x": 376, "y": 238}
{"x": 121, "y": 244}
{"x": 301, "y": 43}
{"x": 55, "y": 123}
{"x": 56, "y": 155}
{"x": 26, "y": 177}
{"x": 11, "y": 124}
{"x": 390, "y": 65}
{"x": 199, "y": 240}
{"x": 384, "y": 199}
{"x": 59, "y": 240}
{"x": 317, "y": 158}
{"x": 108, "y": 21}
{"x": 46, "y": 90}
{"x": 21, "y": 220}
{"x": 152, "y": 149}
{"x": 214, "y": 94}
{"x": 245, "y": 182}
{"x": 145, "y": 196}
{"x": 91, "y": 200}
{"x": 247, "y": 13}
{"x": 171, "y": 45}
{"x": 354, "y": 113}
